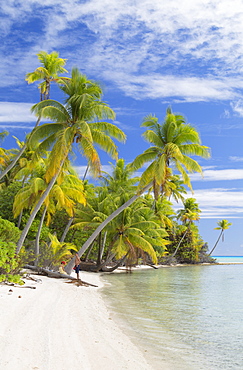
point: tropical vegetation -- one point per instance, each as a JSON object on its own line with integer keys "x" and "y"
{"x": 120, "y": 219}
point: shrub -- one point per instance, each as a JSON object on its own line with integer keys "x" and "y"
{"x": 9, "y": 263}
{"x": 8, "y": 231}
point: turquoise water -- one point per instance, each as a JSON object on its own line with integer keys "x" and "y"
{"x": 229, "y": 259}
{"x": 188, "y": 317}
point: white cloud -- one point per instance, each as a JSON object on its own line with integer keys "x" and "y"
{"x": 217, "y": 203}
{"x": 125, "y": 41}
{"x": 220, "y": 203}
{"x": 16, "y": 112}
{"x": 218, "y": 175}
{"x": 236, "y": 159}
{"x": 191, "y": 89}
{"x": 237, "y": 107}
{"x": 82, "y": 169}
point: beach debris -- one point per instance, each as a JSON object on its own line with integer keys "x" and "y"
{"x": 27, "y": 276}
{"x": 79, "y": 282}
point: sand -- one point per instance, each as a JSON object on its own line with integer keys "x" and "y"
{"x": 59, "y": 326}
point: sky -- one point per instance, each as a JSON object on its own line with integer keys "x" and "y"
{"x": 147, "y": 55}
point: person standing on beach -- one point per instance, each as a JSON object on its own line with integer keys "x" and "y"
{"x": 77, "y": 265}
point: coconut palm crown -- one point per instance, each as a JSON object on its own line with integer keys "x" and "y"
{"x": 173, "y": 143}
{"x": 78, "y": 121}
{"x": 49, "y": 71}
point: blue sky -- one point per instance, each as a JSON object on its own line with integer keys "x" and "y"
{"x": 147, "y": 55}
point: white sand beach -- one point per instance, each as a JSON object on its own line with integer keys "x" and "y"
{"x": 58, "y": 326}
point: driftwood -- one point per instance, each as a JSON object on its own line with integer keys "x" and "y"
{"x": 151, "y": 265}
{"x": 58, "y": 275}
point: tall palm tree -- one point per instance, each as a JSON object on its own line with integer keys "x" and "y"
{"x": 76, "y": 122}
{"x": 173, "y": 142}
{"x": 222, "y": 226}
{"x": 49, "y": 71}
{"x": 51, "y": 67}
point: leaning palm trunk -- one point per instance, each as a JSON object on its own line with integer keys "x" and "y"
{"x": 90, "y": 250}
{"x": 178, "y": 246}
{"x": 13, "y": 163}
{"x": 20, "y": 219}
{"x": 104, "y": 223}
{"x": 111, "y": 269}
{"x": 37, "y": 208}
{"x": 37, "y": 241}
{"x": 18, "y": 156}
{"x": 215, "y": 245}
{"x": 106, "y": 262}
{"x": 70, "y": 221}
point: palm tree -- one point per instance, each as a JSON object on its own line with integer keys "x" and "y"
{"x": 76, "y": 122}
{"x": 121, "y": 179}
{"x": 59, "y": 251}
{"x": 187, "y": 215}
{"x": 51, "y": 67}
{"x": 48, "y": 72}
{"x": 118, "y": 182}
{"x": 223, "y": 225}
{"x": 63, "y": 195}
{"x": 174, "y": 142}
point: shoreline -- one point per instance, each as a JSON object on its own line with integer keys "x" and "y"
{"x": 52, "y": 325}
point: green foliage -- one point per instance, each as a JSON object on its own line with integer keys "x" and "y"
{"x": 8, "y": 231}
{"x": 34, "y": 228}
{"x": 53, "y": 253}
{"x": 9, "y": 263}
{"x": 172, "y": 142}
{"x": 191, "y": 247}
{"x": 7, "y": 199}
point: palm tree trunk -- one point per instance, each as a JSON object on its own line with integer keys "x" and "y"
{"x": 88, "y": 254}
{"x": 103, "y": 245}
{"x": 37, "y": 241}
{"x": 215, "y": 245}
{"x": 20, "y": 219}
{"x": 21, "y": 213}
{"x": 103, "y": 264}
{"x": 13, "y": 163}
{"x": 99, "y": 249}
{"x": 37, "y": 208}
{"x": 173, "y": 255}
{"x": 70, "y": 221}
{"x": 111, "y": 269}
{"x": 18, "y": 156}
{"x": 104, "y": 223}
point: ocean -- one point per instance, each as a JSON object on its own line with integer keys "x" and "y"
{"x": 184, "y": 317}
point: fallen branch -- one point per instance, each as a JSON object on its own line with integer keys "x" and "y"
{"x": 150, "y": 264}
{"x": 57, "y": 275}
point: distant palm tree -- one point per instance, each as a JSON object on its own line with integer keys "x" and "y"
{"x": 187, "y": 215}
{"x": 223, "y": 225}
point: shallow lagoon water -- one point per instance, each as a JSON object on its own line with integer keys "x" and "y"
{"x": 188, "y": 317}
